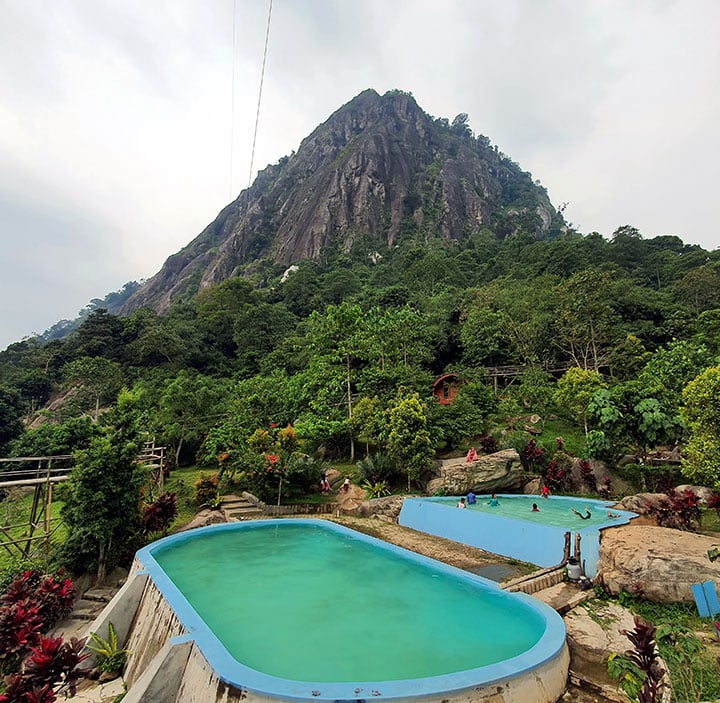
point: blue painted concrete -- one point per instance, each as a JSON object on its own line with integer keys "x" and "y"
{"x": 235, "y": 673}
{"x": 534, "y": 543}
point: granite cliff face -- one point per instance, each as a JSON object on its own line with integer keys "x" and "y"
{"x": 379, "y": 169}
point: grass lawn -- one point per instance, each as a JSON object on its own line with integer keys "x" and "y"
{"x": 182, "y": 483}
{"x": 14, "y": 517}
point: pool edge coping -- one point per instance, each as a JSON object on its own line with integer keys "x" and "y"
{"x": 240, "y": 676}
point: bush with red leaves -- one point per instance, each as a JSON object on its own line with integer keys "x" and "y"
{"x": 531, "y": 455}
{"x": 51, "y": 667}
{"x": 587, "y": 476}
{"x": 52, "y": 595}
{"x": 680, "y": 510}
{"x": 30, "y": 606}
{"x": 554, "y": 476}
{"x": 488, "y": 445}
{"x": 158, "y": 516}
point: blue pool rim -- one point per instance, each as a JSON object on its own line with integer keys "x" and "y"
{"x": 240, "y": 676}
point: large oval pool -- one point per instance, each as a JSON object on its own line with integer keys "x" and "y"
{"x": 309, "y": 609}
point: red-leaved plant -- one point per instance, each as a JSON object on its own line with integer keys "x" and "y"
{"x": 158, "y": 515}
{"x": 20, "y": 626}
{"x": 30, "y": 606}
{"x": 50, "y": 668}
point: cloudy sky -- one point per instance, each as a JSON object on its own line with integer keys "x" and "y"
{"x": 121, "y": 135}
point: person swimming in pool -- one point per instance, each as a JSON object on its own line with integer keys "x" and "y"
{"x": 580, "y": 515}
{"x": 493, "y": 502}
{"x": 613, "y": 515}
{"x": 535, "y": 509}
{"x": 461, "y": 503}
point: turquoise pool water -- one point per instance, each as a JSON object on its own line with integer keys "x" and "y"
{"x": 309, "y": 610}
{"x": 302, "y": 603}
{"x": 555, "y": 511}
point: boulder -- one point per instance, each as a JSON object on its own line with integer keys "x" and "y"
{"x": 333, "y": 476}
{"x": 498, "y": 472}
{"x": 389, "y": 506}
{"x": 206, "y": 517}
{"x": 592, "y": 636}
{"x": 702, "y": 492}
{"x": 349, "y": 501}
{"x": 659, "y": 563}
{"x": 533, "y": 487}
{"x": 642, "y": 503}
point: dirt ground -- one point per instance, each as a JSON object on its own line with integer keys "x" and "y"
{"x": 453, "y": 553}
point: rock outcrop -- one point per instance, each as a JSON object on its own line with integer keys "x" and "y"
{"x": 206, "y": 517}
{"x": 498, "y": 472}
{"x": 659, "y": 563}
{"x": 592, "y": 636}
{"x": 593, "y": 633}
{"x": 377, "y": 166}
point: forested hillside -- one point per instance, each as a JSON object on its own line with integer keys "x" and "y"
{"x": 392, "y": 248}
{"x": 333, "y": 345}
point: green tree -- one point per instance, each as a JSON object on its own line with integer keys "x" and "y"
{"x": 99, "y": 335}
{"x": 102, "y": 497}
{"x": 365, "y": 422}
{"x": 93, "y": 381}
{"x": 188, "y": 406}
{"x": 627, "y": 358}
{"x": 338, "y": 337}
{"x": 574, "y": 391}
{"x": 408, "y": 439}
{"x": 586, "y": 321}
{"x": 701, "y": 413}
{"x": 10, "y": 415}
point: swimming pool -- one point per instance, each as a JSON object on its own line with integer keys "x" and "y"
{"x": 309, "y": 610}
{"x": 512, "y": 529}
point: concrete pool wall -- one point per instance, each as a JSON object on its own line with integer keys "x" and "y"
{"x": 168, "y": 664}
{"x": 532, "y": 542}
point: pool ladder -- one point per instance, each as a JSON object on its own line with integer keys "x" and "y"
{"x": 545, "y": 578}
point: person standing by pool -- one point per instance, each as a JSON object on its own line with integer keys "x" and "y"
{"x": 535, "y": 508}
{"x": 545, "y": 492}
{"x": 461, "y": 504}
{"x": 580, "y": 515}
{"x": 471, "y": 500}
{"x": 493, "y": 502}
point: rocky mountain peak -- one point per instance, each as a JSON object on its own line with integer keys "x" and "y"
{"x": 379, "y": 168}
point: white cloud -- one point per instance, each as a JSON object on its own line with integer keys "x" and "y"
{"x": 115, "y": 123}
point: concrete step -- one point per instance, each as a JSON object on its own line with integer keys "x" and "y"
{"x": 100, "y": 595}
{"x": 242, "y": 509}
{"x": 563, "y": 596}
{"x": 86, "y": 610}
{"x": 238, "y": 504}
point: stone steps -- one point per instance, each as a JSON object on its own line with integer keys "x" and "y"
{"x": 238, "y": 508}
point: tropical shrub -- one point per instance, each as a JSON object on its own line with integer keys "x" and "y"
{"x": 379, "y": 467}
{"x": 206, "y": 489}
{"x": 638, "y": 671}
{"x": 158, "y": 515}
{"x": 678, "y": 509}
{"x": 378, "y": 489}
{"x": 50, "y": 668}
{"x": 110, "y": 656}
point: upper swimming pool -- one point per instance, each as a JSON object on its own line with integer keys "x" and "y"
{"x": 556, "y": 511}
{"x": 512, "y": 529}
{"x": 307, "y": 609}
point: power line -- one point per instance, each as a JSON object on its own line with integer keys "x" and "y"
{"x": 262, "y": 78}
{"x": 232, "y": 103}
